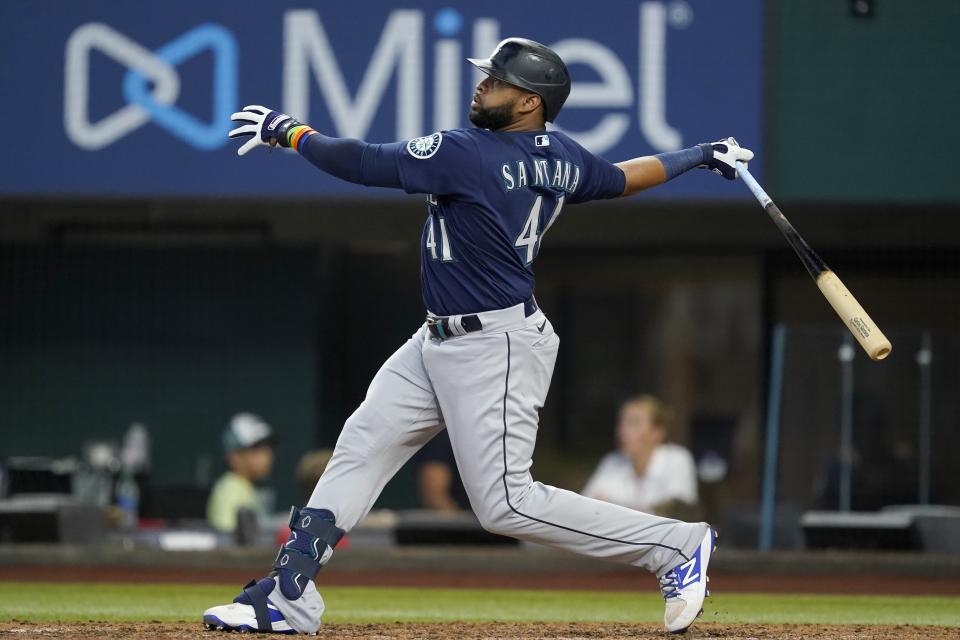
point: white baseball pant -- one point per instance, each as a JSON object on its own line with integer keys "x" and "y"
{"x": 487, "y": 388}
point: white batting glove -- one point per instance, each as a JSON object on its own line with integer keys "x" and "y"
{"x": 263, "y": 125}
{"x": 721, "y": 157}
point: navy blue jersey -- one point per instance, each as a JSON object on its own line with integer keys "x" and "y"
{"x": 492, "y": 196}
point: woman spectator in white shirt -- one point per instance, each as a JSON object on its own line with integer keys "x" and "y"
{"x": 645, "y": 472}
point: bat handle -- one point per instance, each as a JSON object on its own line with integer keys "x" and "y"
{"x": 752, "y": 184}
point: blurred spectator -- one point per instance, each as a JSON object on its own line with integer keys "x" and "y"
{"x": 438, "y": 481}
{"x": 309, "y": 469}
{"x": 646, "y": 473}
{"x": 248, "y": 445}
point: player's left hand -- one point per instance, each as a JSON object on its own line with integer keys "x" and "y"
{"x": 264, "y": 126}
{"x": 721, "y": 157}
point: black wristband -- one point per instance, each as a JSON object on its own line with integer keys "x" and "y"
{"x": 707, "y": 151}
{"x": 283, "y": 129}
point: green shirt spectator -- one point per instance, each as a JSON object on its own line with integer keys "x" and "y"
{"x": 248, "y": 446}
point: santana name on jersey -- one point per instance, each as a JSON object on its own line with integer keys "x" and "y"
{"x": 563, "y": 175}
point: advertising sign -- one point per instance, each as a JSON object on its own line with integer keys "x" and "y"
{"x": 108, "y": 98}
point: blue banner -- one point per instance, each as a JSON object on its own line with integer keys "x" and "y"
{"x": 128, "y": 98}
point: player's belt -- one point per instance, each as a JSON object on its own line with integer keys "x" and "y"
{"x": 444, "y": 327}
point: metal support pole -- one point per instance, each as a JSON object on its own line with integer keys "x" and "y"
{"x": 845, "y": 355}
{"x": 771, "y": 454}
{"x": 924, "y": 360}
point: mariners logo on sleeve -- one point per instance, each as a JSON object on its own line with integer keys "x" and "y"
{"x": 423, "y": 148}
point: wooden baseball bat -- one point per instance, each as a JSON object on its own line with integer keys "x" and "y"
{"x": 858, "y": 322}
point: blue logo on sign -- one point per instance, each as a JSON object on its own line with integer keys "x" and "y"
{"x": 178, "y": 122}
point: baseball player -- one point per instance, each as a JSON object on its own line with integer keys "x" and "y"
{"x": 481, "y": 363}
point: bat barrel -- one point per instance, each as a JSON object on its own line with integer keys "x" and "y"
{"x": 853, "y": 315}
{"x": 860, "y": 324}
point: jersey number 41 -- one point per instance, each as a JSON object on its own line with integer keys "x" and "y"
{"x": 528, "y": 240}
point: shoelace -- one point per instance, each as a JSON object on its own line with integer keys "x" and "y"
{"x": 669, "y": 585}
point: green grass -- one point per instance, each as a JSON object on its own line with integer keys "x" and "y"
{"x": 129, "y": 602}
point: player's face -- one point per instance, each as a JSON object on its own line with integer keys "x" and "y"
{"x": 493, "y": 104}
{"x": 636, "y": 432}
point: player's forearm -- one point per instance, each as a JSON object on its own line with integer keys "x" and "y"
{"x": 649, "y": 171}
{"x": 641, "y": 173}
{"x": 340, "y": 157}
{"x": 348, "y": 159}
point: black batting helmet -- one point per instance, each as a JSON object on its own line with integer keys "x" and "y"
{"x": 531, "y": 66}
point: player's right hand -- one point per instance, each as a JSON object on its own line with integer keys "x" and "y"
{"x": 264, "y": 126}
{"x": 722, "y": 156}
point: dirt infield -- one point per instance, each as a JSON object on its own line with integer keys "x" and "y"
{"x": 504, "y": 631}
{"x": 863, "y": 585}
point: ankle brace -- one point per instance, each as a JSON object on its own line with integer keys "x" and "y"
{"x": 312, "y": 533}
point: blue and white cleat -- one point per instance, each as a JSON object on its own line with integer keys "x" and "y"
{"x": 685, "y": 586}
{"x": 286, "y": 601}
{"x": 250, "y": 611}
